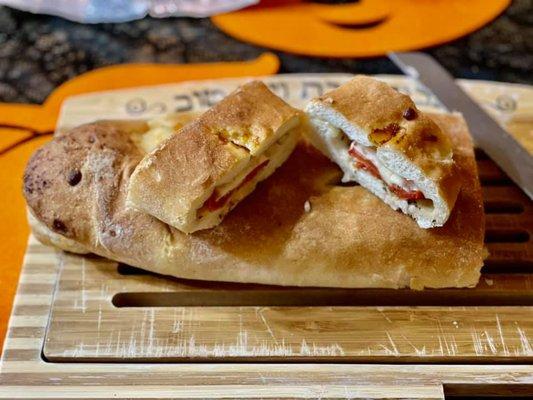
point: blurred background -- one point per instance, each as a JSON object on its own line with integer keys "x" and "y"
{"x": 39, "y": 52}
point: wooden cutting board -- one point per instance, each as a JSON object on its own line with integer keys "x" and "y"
{"x": 84, "y": 327}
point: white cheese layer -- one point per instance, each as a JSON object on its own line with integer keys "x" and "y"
{"x": 275, "y": 148}
{"x": 225, "y": 188}
{"x": 390, "y": 177}
{"x": 276, "y": 154}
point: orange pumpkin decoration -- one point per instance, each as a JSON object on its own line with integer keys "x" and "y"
{"x": 362, "y": 29}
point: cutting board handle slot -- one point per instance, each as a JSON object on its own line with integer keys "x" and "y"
{"x": 503, "y": 207}
{"x": 317, "y": 297}
{"x": 506, "y": 236}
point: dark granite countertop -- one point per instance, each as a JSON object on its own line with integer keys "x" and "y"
{"x": 37, "y": 53}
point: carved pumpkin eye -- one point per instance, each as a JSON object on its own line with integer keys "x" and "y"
{"x": 337, "y": 16}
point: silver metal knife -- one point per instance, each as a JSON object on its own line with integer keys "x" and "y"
{"x": 502, "y": 147}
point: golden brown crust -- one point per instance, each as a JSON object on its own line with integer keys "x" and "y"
{"x": 252, "y": 117}
{"x": 390, "y": 121}
{"x": 101, "y": 153}
{"x": 349, "y": 238}
{"x": 388, "y": 117}
{"x": 175, "y": 179}
{"x": 178, "y": 175}
{"x": 425, "y": 145}
{"x": 368, "y": 103}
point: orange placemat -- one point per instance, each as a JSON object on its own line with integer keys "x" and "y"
{"x": 24, "y": 127}
{"x": 362, "y": 29}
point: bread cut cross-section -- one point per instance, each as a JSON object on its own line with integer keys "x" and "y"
{"x": 381, "y": 140}
{"x": 196, "y": 176}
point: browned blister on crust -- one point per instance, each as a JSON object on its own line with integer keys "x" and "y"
{"x": 425, "y": 145}
{"x": 251, "y": 117}
{"x": 368, "y": 103}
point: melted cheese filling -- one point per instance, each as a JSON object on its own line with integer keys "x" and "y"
{"x": 225, "y": 188}
{"x": 258, "y": 168}
{"x": 270, "y": 159}
{"x": 390, "y": 177}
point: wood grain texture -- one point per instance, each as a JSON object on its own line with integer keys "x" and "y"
{"x": 76, "y": 310}
{"x": 101, "y": 312}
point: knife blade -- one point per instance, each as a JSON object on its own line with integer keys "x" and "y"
{"x": 502, "y": 147}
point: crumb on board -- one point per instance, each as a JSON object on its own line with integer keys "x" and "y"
{"x": 307, "y": 206}
{"x": 489, "y": 282}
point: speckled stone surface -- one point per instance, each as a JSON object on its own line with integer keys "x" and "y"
{"x": 37, "y": 53}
